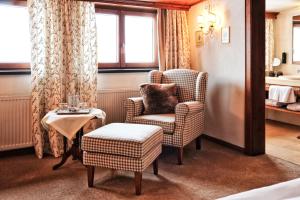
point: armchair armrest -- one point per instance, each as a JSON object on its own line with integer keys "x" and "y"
{"x": 134, "y": 107}
{"x": 189, "y": 107}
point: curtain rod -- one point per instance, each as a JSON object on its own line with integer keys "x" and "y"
{"x": 139, "y": 3}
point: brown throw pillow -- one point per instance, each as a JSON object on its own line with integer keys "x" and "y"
{"x": 159, "y": 98}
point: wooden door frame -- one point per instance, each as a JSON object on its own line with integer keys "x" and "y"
{"x": 255, "y": 78}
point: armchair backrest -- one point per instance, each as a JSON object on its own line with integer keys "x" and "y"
{"x": 191, "y": 84}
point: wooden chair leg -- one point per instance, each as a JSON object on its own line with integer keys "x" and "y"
{"x": 90, "y": 174}
{"x": 180, "y": 155}
{"x": 138, "y": 182}
{"x": 155, "y": 166}
{"x": 198, "y": 143}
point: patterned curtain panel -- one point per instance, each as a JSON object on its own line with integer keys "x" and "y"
{"x": 270, "y": 49}
{"x": 63, "y": 61}
{"x": 174, "y": 41}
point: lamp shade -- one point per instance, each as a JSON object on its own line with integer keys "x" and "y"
{"x": 276, "y": 62}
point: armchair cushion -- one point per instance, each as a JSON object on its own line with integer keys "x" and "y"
{"x": 159, "y": 98}
{"x": 189, "y": 107}
{"x": 166, "y": 121}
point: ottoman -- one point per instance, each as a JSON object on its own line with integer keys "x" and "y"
{"x": 122, "y": 146}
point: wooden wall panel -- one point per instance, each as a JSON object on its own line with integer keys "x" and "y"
{"x": 255, "y": 78}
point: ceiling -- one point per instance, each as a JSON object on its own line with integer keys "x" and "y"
{"x": 281, "y": 5}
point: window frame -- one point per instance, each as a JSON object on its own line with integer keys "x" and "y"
{"x": 121, "y": 65}
{"x": 122, "y": 12}
{"x": 11, "y": 65}
{"x": 296, "y": 24}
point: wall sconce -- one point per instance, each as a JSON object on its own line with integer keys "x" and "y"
{"x": 207, "y": 21}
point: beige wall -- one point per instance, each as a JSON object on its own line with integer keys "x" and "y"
{"x": 20, "y": 84}
{"x": 225, "y": 64}
{"x": 283, "y": 39}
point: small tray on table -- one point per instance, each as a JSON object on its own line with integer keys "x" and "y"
{"x": 69, "y": 112}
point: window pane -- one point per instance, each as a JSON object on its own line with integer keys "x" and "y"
{"x": 14, "y": 34}
{"x": 139, "y": 39}
{"x": 107, "y": 38}
{"x": 296, "y": 39}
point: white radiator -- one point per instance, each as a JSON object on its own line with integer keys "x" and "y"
{"x": 15, "y": 122}
{"x": 15, "y": 116}
{"x": 113, "y": 103}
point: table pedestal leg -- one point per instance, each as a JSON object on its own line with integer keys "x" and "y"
{"x": 75, "y": 150}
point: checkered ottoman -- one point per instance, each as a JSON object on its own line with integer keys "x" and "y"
{"x": 122, "y": 146}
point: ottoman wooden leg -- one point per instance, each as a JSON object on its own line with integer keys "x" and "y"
{"x": 138, "y": 182}
{"x": 198, "y": 143}
{"x": 90, "y": 174}
{"x": 180, "y": 155}
{"x": 155, "y": 166}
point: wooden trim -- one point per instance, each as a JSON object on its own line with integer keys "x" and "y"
{"x": 108, "y": 65}
{"x": 223, "y": 143}
{"x": 271, "y": 15}
{"x": 14, "y": 66}
{"x": 124, "y": 70}
{"x": 146, "y": 4}
{"x": 117, "y": 8}
{"x": 133, "y": 3}
{"x": 282, "y": 110}
{"x": 296, "y": 18}
{"x": 107, "y": 10}
{"x": 255, "y": 78}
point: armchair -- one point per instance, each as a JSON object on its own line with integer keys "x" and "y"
{"x": 187, "y": 123}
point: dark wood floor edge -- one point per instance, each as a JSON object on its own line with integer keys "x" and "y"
{"x": 223, "y": 143}
{"x": 17, "y": 152}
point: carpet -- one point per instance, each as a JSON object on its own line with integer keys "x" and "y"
{"x": 213, "y": 172}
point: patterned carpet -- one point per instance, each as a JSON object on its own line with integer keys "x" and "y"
{"x": 213, "y": 172}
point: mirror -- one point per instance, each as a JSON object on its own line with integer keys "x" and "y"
{"x": 296, "y": 39}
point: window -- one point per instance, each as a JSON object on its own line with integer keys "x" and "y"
{"x": 296, "y": 39}
{"x": 126, "y": 39}
{"x": 14, "y": 37}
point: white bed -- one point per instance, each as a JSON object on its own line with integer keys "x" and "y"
{"x": 289, "y": 190}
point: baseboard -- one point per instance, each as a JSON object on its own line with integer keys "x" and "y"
{"x": 17, "y": 152}
{"x": 30, "y": 150}
{"x": 223, "y": 143}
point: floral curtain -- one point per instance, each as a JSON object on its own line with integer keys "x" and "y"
{"x": 269, "y": 44}
{"x": 63, "y": 61}
{"x": 174, "y": 42}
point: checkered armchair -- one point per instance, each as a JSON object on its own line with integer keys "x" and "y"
{"x": 187, "y": 123}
